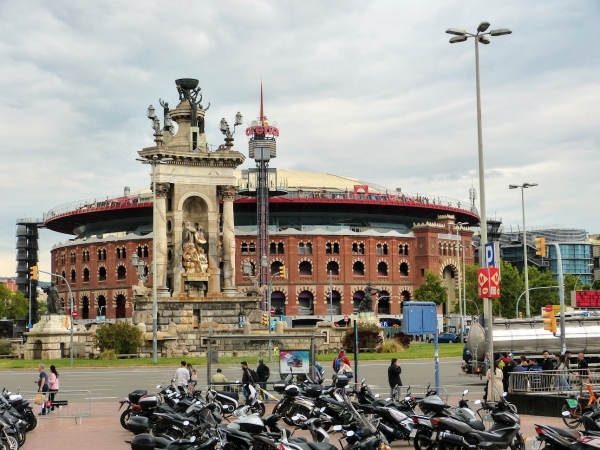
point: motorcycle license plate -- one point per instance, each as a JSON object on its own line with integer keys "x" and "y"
{"x": 572, "y": 402}
{"x": 536, "y": 444}
{"x": 413, "y": 433}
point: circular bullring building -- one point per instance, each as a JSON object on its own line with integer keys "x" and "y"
{"x": 333, "y": 234}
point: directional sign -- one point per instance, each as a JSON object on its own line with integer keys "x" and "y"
{"x": 488, "y": 283}
{"x": 272, "y": 311}
{"x": 58, "y": 403}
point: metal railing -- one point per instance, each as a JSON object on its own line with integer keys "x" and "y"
{"x": 79, "y": 404}
{"x": 550, "y": 381}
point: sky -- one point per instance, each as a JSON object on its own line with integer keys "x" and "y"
{"x": 365, "y": 89}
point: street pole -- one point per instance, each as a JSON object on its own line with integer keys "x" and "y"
{"x": 561, "y": 296}
{"x": 525, "y": 259}
{"x": 154, "y": 282}
{"x": 530, "y": 289}
{"x": 29, "y": 325}
{"x": 330, "y": 297}
{"x": 460, "y": 309}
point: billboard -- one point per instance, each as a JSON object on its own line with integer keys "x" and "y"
{"x": 294, "y": 361}
{"x": 587, "y": 299}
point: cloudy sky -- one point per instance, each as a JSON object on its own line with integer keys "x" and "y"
{"x": 366, "y": 89}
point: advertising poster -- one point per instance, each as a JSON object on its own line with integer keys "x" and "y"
{"x": 294, "y": 361}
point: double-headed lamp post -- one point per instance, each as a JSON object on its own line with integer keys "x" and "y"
{"x": 481, "y": 36}
{"x": 525, "y": 260}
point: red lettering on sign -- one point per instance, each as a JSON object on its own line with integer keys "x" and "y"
{"x": 587, "y": 299}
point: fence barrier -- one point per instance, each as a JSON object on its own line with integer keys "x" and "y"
{"x": 78, "y": 404}
{"x": 551, "y": 381}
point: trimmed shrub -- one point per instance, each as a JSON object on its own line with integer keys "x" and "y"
{"x": 368, "y": 337}
{"x": 108, "y": 354}
{"x": 122, "y": 337}
{"x": 390, "y": 346}
{"x": 403, "y": 339}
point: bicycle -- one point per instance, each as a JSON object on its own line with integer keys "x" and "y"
{"x": 572, "y": 410}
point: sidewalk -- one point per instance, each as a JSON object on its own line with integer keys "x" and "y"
{"x": 102, "y": 431}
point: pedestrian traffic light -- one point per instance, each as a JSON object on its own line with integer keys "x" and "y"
{"x": 265, "y": 319}
{"x": 549, "y": 321}
{"x": 282, "y": 272}
{"x": 540, "y": 247}
{"x": 33, "y": 273}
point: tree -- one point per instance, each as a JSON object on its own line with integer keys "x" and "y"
{"x": 471, "y": 290}
{"x": 538, "y": 298}
{"x": 433, "y": 290}
{"x": 122, "y": 337}
{"x": 511, "y": 286}
{"x": 13, "y": 305}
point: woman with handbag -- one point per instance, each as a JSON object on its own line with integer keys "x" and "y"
{"x": 42, "y": 383}
{"x": 52, "y": 386}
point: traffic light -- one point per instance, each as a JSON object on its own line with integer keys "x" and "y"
{"x": 520, "y": 314}
{"x": 33, "y": 273}
{"x": 282, "y": 272}
{"x": 540, "y": 247}
{"x": 549, "y": 321}
{"x": 265, "y": 319}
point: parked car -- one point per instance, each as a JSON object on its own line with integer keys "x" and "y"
{"x": 450, "y": 338}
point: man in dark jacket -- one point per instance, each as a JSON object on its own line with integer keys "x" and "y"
{"x": 394, "y": 372}
{"x": 547, "y": 363}
{"x": 263, "y": 373}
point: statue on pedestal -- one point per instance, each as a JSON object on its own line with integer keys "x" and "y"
{"x": 366, "y": 305}
{"x": 52, "y": 299}
{"x": 193, "y": 255}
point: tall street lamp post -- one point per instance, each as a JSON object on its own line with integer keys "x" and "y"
{"x": 460, "y": 302}
{"x": 481, "y": 36}
{"x": 525, "y": 260}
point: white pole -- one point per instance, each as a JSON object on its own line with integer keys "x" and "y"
{"x": 525, "y": 260}
{"x": 154, "y": 277}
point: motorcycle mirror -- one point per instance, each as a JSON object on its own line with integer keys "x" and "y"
{"x": 186, "y": 423}
{"x": 377, "y": 396}
{"x": 478, "y": 402}
{"x": 349, "y": 433}
{"x": 337, "y": 428}
{"x": 388, "y": 399}
{"x": 407, "y": 398}
{"x": 363, "y": 381}
{"x": 237, "y": 381}
{"x": 465, "y": 392}
{"x": 159, "y": 386}
{"x": 193, "y": 439}
{"x": 566, "y": 413}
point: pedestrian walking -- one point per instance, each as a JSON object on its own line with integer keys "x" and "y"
{"x": 42, "y": 383}
{"x": 53, "y": 387}
{"x": 182, "y": 376}
{"x": 547, "y": 363}
{"x": 249, "y": 376}
{"x": 263, "y": 372}
{"x": 562, "y": 379}
{"x": 583, "y": 369}
{"x": 193, "y": 376}
{"x": 494, "y": 383}
{"x": 394, "y": 372}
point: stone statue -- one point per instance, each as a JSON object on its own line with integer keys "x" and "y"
{"x": 366, "y": 305}
{"x": 193, "y": 255}
{"x": 248, "y": 271}
{"x": 52, "y": 299}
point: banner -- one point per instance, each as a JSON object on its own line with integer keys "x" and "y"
{"x": 294, "y": 361}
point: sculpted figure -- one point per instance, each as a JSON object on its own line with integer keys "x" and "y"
{"x": 52, "y": 298}
{"x": 366, "y": 305}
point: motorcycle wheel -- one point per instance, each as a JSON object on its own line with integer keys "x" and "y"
{"x": 518, "y": 442}
{"x": 125, "y": 417}
{"x": 13, "y": 443}
{"x": 289, "y": 412}
{"x": 570, "y": 421}
{"x": 31, "y": 420}
{"x": 3, "y": 445}
{"x": 21, "y": 437}
{"x": 258, "y": 408}
{"x": 422, "y": 442}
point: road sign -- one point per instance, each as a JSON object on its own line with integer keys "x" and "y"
{"x": 549, "y": 308}
{"x": 272, "y": 310}
{"x": 59, "y": 403}
{"x": 488, "y": 283}
{"x": 29, "y": 325}
{"x": 491, "y": 254}
{"x": 74, "y": 313}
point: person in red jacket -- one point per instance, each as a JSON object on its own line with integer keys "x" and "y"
{"x": 340, "y": 361}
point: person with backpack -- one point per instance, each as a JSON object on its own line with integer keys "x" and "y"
{"x": 249, "y": 376}
{"x": 341, "y": 364}
{"x": 263, "y": 372}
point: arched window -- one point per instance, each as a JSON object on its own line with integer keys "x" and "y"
{"x": 73, "y": 275}
{"x": 272, "y": 248}
{"x": 305, "y": 303}
{"x": 120, "y": 313}
{"x": 328, "y": 248}
{"x": 358, "y": 269}
{"x": 275, "y": 267}
{"x": 334, "y": 303}
{"x": 121, "y": 273}
{"x": 244, "y": 248}
{"x": 403, "y": 269}
{"x": 382, "y": 269}
{"x": 301, "y": 248}
{"x": 86, "y": 275}
{"x": 62, "y": 259}
{"x": 64, "y": 276}
{"x": 73, "y": 257}
{"x": 252, "y": 248}
{"x": 252, "y": 269}
{"x": 280, "y": 248}
{"x": 145, "y": 251}
{"x": 85, "y": 308}
{"x": 102, "y": 274}
{"x": 140, "y": 252}
{"x": 383, "y": 302}
{"x": 308, "y": 248}
{"x": 305, "y": 268}
{"x": 278, "y": 302}
{"x": 118, "y": 250}
{"x": 358, "y": 248}
{"x": 356, "y": 299}
{"x": 333, "y": 268}
{"x": 101, "y": 302}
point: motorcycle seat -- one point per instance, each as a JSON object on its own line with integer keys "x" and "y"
{"x": 571, "y": 434}
{"x": 477, "y": 425}
{"x": 316, "y": 446}
{"x": 164, "y": 408}
{"x": 332, "y": 401}
{"x": 180, "y": 418}
{"x": 161, "y": 442}
{"x": 233, "y": 395}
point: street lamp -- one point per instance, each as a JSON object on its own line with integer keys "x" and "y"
{"x": 525, "y": 259}
{"x": 481, "y": 36}
{"x": 460, "y": 303}
{"x": 153, "y": 161}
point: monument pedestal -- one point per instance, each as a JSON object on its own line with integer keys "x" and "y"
{"x": 367, "y": 317}
{"x": 50, "y": 338}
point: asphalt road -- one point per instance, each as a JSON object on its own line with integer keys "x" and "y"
{"x": 106, "y": 385}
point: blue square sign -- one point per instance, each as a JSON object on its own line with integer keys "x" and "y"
{"x": 419, "y": 318}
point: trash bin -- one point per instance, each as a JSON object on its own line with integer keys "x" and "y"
{"x": 214, "y": 356}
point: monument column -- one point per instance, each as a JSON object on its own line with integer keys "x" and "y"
{"x": 214, "y": 284}
{"x": 177, "y": 253}
{"x": 228, "y": 194}
{"x": 160, "y": 209}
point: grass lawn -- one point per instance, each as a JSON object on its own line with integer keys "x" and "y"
{"x": 417, "y": 350}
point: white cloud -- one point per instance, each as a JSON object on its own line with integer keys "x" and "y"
{"x": 370, "y": 90}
